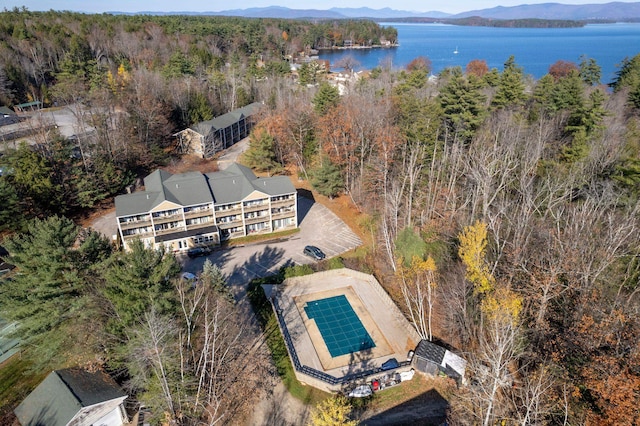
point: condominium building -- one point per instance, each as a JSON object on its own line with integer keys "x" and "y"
{"x": 180, "y": 211}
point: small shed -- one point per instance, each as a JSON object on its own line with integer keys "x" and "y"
{"x": 433, "y": 359}
{"x": 74, "y": 396}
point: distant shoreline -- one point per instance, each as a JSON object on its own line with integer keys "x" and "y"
{"x": 374, "y": 46}
{"x": 476, "y": 21}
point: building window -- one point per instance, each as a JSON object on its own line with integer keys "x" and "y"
{"x": 203, "y": 239}
{"x": 282, "y": 223}
{"x": 198, "y": 220}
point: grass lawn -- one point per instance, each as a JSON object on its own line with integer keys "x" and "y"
{"x": 16, "y": 382}
{"x": 261, "y": 237}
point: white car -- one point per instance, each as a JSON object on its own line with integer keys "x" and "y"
{"x": 361, "y": 391}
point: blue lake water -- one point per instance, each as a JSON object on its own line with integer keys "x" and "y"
{"x": 535, "y": 49}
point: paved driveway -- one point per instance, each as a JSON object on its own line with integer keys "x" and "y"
{"x": 319, "y": 226}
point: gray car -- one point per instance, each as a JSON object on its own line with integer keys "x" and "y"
{"x": 314, "y": 252}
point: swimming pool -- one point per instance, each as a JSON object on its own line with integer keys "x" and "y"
{"x": 339, "y": 325}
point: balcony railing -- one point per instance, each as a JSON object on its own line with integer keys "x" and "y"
{"x": 256, "y": 207}
{"x": 225, "y": 212}
{"x": 167, "y": 218}
{"x": 199, "y": 225}
{"x": 257, "y": 219}
{"x": 198, "y": 213}
{"x": 135, "y": 224}
{"x": 280, "y": 215}
{"x": 170, "y": 230}
{"x": 138, "y": 235}
{"x": 227, "y": 225}
{"x": 289, "y": 201}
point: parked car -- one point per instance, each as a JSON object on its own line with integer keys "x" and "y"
{"x": 390, "y": 364}
{"x": 314, "y": 252}
{"x": 361, "y": 391}
{"x": 198, "y": 251}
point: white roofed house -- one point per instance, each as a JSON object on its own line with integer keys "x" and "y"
{"x": 193, "y": 209}
{"x": 207, "y": 138}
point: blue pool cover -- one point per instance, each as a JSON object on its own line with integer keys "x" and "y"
{"x": 339, "y": 325}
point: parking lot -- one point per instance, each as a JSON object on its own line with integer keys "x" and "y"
{"x": 319, "y": 226}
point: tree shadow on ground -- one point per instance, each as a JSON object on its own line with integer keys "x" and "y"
{"x": 426, "y": 409}
{"x": 279, "y": 413}
{"x": 219, "y": 257}
{"x": 254, "y": 267}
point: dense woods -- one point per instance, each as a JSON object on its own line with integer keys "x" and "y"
{"x": 504, "y": 212}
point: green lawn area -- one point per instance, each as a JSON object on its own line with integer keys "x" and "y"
{"x": 16, "y": 382}
{"x": 258, "y": 238}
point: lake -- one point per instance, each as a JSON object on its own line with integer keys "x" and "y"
{"x": 534, "y": 48}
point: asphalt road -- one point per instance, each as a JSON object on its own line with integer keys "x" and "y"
{"x": 319, "y": 226}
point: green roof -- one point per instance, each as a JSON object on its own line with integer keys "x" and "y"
{"x": 63, "y": 393}
{"x": 237, "y": 182}
{"x": 187, "y": 189}
{"x": 226, "y": 120}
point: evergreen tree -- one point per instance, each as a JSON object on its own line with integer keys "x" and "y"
{"x": 327, "y": 179}
{"x": 510, "y": 91}
{"x": 590, "y": 71}
{"x": 628, "y": 75}
{"x": 178, "y": 66}
{"x": 627, "y": 172}
{"x": 11, "y": 216}
{"x": 569, "y": 93}
{"x": 198, "y": 109}
{"x": 463, "y": 105}
{"x": 32, "y": 177}
{"x": 261, "y": 153}
{"x": 326, "y": 98}
{"x": 136, "y": 281}
{"x": 543, "y": 95}
{"x": 410, "y": 245}
{"x": 48, "y": 289}
{"x": 213, "y": 277}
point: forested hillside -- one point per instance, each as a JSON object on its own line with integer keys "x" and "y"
{"x": 503, "y": 212}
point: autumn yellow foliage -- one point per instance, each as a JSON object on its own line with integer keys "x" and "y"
{"x": 502, "y": 305}
{"x": 472, "y": 251}
{"x": 332, "y": 412}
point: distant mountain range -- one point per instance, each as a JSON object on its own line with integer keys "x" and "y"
{"x": 615, "y": 11}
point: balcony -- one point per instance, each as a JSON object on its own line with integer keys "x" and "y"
{"x": 280, "y": 203}
{"x": 226, "y": 212}
{"x": 198, "y": 213}
{"x": 167, "y": 218}
{"x": 283, "y": 214}
{"x": 256, "y": 207}
{"x": 142, "y": 234}
{"x": 199, "y": 225}
{"x": 231, "y": 224}
{"x": 172, "y": 230}
{"x": 135, "y": 224}
{"x": 256, "y": 219}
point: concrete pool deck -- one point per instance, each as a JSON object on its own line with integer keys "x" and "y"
{"x": 393, "y": 335}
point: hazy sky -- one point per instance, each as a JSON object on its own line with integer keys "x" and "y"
{"x": 97, "y": 6}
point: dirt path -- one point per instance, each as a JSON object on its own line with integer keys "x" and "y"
{"x": 280, "y": 408}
